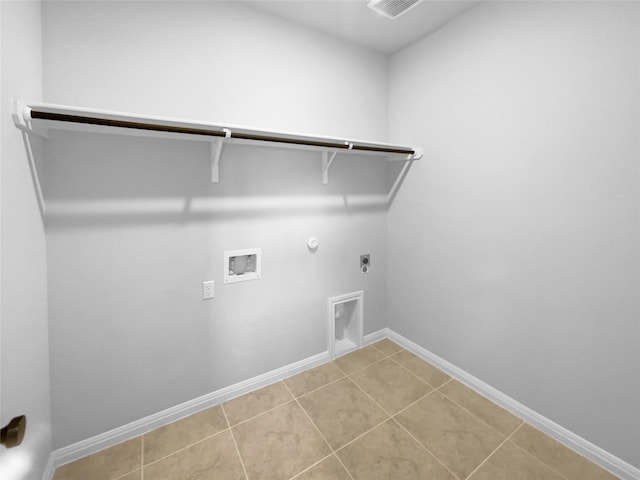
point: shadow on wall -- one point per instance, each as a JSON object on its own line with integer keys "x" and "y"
{"x": 101, "y": 180}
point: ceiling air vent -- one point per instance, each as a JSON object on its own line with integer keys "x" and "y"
{"x": 392, "y": 8}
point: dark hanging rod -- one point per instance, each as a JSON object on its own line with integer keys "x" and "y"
{"x": 62, "y": 117}
{"x": 367, "y": 148}
{"x": 345, "y": 145}
{"x": 292, "y": 141}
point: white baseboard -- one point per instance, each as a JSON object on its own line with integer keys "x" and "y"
{"x": 49, "y": 469}
{"x": 91, "y": 445}
{"x": 587, "y": 449}
{"x": 375, "y": 336}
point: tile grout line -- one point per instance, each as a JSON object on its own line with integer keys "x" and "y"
{"x": 427, "y": 449}
{"x": 392, "y": 417}
{"x": 445, "y": 383}
{"x": 362, "y": 368}
{"x": 477, "y": 417}
{"x": 415, "y": 375}
{"x": 582, "y": 457}
{"x": 384, "y": 353}
{"x": 370, "y": 397}
{"x": 451, "y": 379}
{"x": 336, "y": 365}
{"x": 235, "y": 444}
{"x": 331, "y": 449}
{"x": 261, "y": 413}
{"x": 344, "y": 466}
{"x": 283, "y": 381}
{"x": 312, "y": 422}
{"x": 348, "y": 376}
{"x": 344, "y": 375}
{"x": 297, "y": 475}
{"x": 132, "y": 471}
{"x": 229, "y": 427}
{"x": 493, "y": 452}
{"x": 539, "y": 459}
{"x": 295, "y": 399}
{"x": 413, "y": 403}
{"x": 361, "y": 435}
{"x": 401, "y": 426}
{"x": 366, "y": 432}
{"x": 423, "y": 445}
{"x": 508, "y": 437}
{"x": 186, "y": 447}
{"x": 126, "y": 474}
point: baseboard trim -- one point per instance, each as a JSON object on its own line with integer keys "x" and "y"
{"x": 375, "y": 336}
{"x": 49, "y": 469}
{"x": 91, "y": 445}
{"x": 108, "y": 439}
{"x": 587, "y": 449}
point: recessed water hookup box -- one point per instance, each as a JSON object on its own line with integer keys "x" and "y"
{"x": 242, "y": 265}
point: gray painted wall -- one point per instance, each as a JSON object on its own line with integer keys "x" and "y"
{"x": 134, "y": 225}
{"x": 24, "y": 349}
{"x": 514, "y": 247}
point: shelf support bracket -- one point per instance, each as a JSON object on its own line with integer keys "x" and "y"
{"x": 18, "y": 109}
{"x": 326, "y": 163}
{"x": 20, "y": 114}
{"x": 216, "y": 151}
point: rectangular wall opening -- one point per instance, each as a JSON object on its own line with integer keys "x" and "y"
{"x": 242, "y": 265}
{"x": 345, "y": 323}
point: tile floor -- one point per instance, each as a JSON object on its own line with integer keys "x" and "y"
{"x": 379, "y": 413}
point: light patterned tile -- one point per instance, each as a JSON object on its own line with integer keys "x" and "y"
{"x": 107, "y": 464}
{"x": 513, "y": 463}
{"x": 137, "y": 475}
{"x": 279, "y": 444}
{"x": 329, "y": 469}
{"x": 427, "y": 372}
{"x": 315, "y": 378}
{"x": 215, "y": 458}
{"x": 182, "y": 433}
{"x": 342, "y": 411}
{"x": 391, "y": 385}
{"x": 388, "y": 452}
{"x": 354, "y": 361}
{"x": 255, "y": 403}
{"x": 484, "y": 409}
{"x": 453, "y": 435}
{"x": 562, "y": 459}
{"x": 388, "y": 347}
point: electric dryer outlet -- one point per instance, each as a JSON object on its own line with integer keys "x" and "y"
{"x": 365, "y": 263}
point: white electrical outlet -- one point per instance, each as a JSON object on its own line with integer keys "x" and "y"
{"x": 207, "y": 290}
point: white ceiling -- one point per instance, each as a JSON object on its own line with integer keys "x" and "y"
{"x": 353, "y": 21}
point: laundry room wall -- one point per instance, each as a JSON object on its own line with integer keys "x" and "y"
{"x": 134, "y": 225}
{"x": 24, "y": 335}
{"x": 514, "y": 246}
